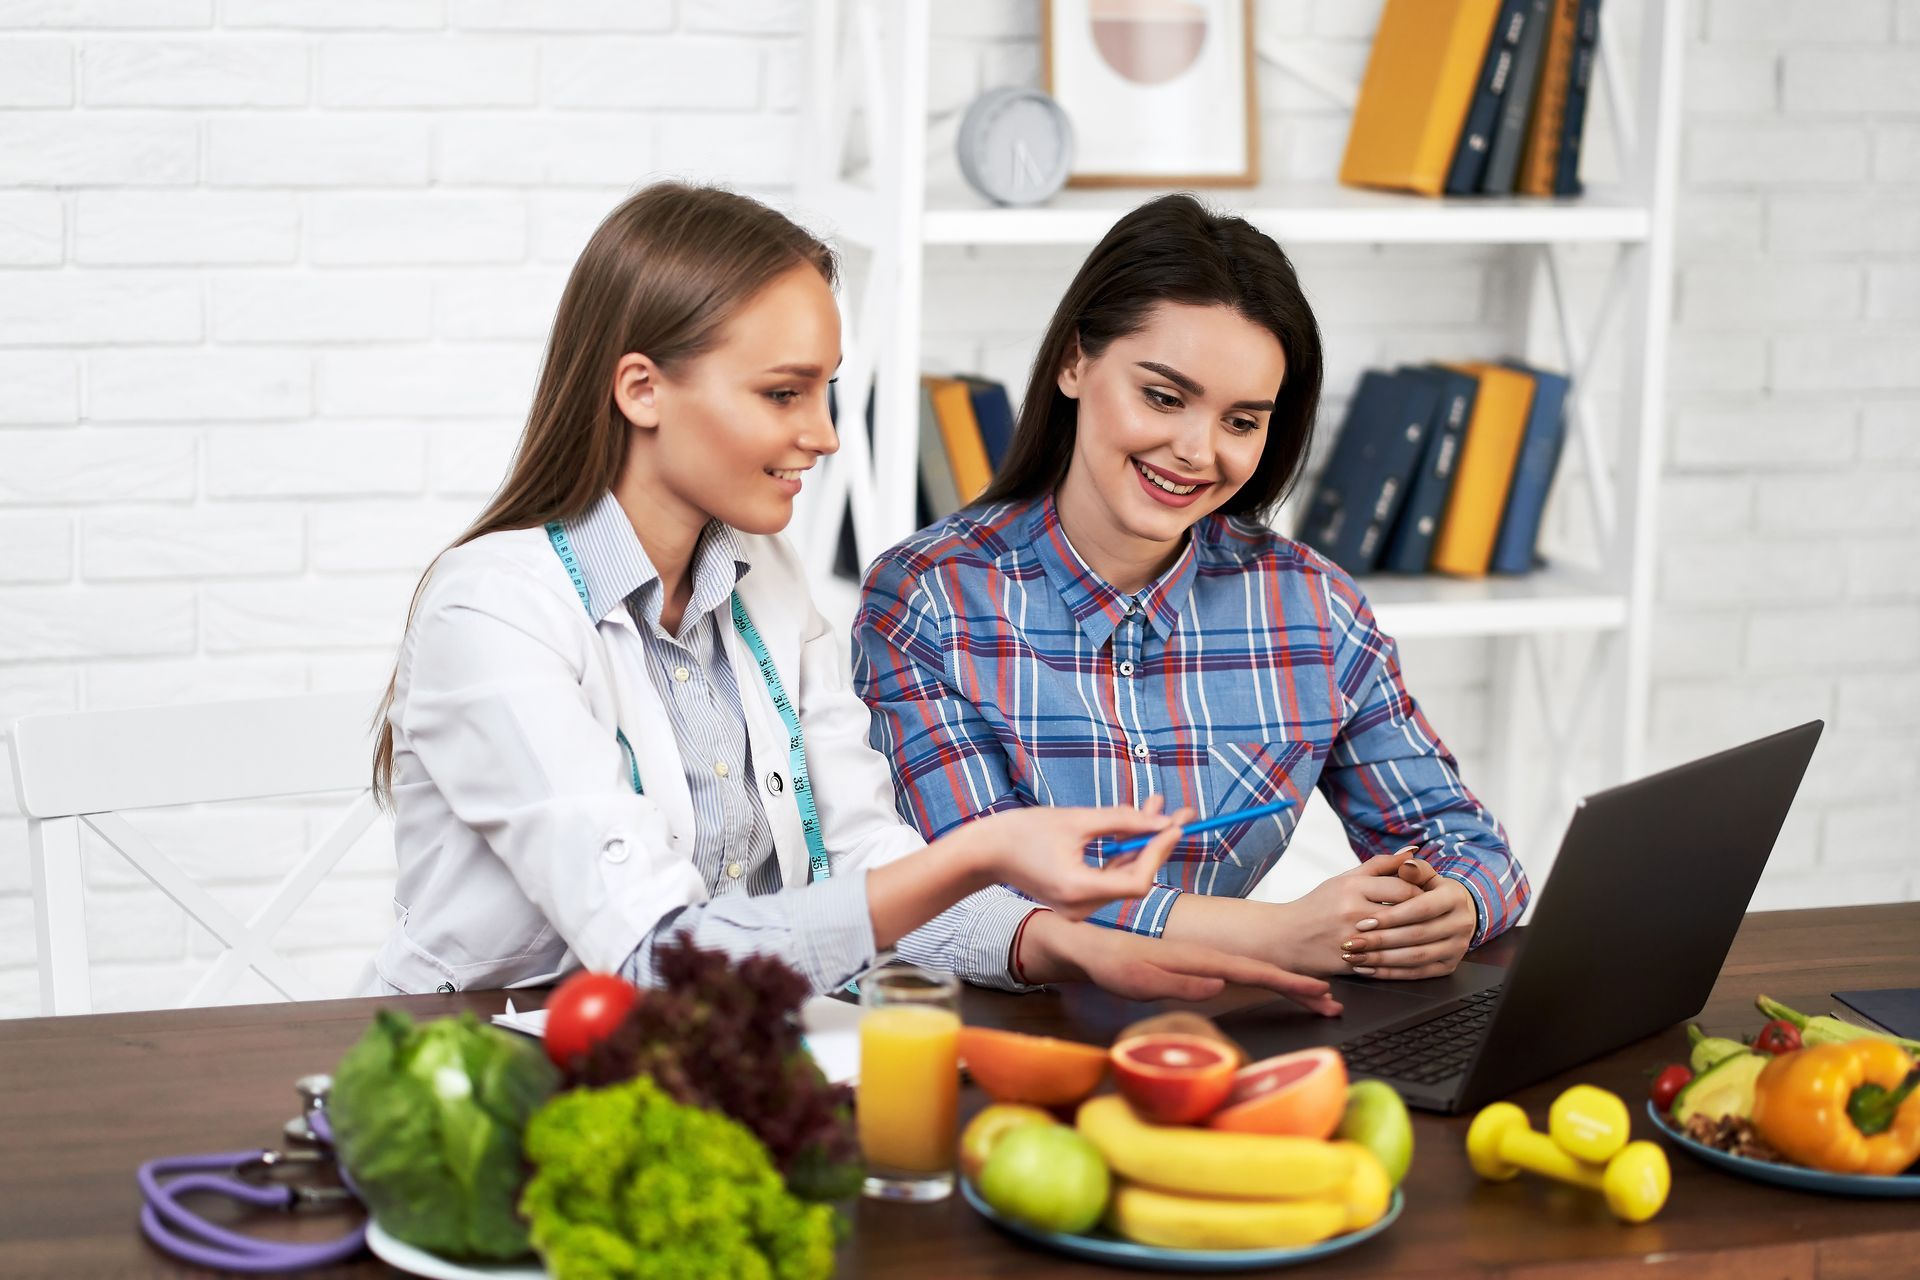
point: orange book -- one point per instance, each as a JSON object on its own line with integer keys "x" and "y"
{"x": 960, "y": 432}
{"x": 1464, "y": 545}
{"x": 1542, "y": 151}
{"x": 1420, "y": 80}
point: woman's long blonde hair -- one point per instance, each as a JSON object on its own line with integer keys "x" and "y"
{"x": 660, "y": 276}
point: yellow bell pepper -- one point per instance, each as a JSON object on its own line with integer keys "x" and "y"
{"x": 1844, "y": 1108}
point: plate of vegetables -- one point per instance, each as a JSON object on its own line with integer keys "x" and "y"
{"x": 1811, "y": 1103}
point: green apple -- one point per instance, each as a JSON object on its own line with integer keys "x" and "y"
{"x": 993, "y": 1123}
{"x": 1377, "y": 1119}
{"x": 1047, "y": 1176}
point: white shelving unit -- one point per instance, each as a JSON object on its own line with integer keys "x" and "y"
{"x": 864, "y": 174}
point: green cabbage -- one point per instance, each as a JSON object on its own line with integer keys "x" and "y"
{"x": 429, "y": 1120}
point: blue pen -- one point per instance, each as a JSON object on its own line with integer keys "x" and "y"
{"x": 1134, "y": 844}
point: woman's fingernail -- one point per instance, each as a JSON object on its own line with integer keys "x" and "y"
{"x": 1368, "y": 924}
{"x": 1351, "y": 944}
{"x": 1361, "y": 969}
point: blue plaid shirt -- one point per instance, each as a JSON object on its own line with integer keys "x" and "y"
{"x": 1002, "y": 671}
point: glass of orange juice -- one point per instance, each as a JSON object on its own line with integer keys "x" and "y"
{"x": 907, "y": 1106}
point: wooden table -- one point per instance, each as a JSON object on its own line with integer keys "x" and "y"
{"x": 85, "y": 1099}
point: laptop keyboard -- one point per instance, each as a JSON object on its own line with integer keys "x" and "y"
{"x": 1426, "y": 1052}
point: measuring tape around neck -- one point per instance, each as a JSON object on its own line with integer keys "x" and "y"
{"x": 818, "y": 867}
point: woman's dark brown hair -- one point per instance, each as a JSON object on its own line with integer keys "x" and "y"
{"x": 660, "y": 276}
{"x": 1173, "y": 249}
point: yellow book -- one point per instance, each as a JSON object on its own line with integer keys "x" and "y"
{"x": 960, "y": 431}
{"x": 1419, "y": 83}
{"x": 1542, "y": 151}
{"x": 1464, "y": 545}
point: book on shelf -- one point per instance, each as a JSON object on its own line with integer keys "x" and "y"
{"x": 1542, "y": 152}
{"x": 1361, "y": 490}
{"x": 1419, "y": 83}
{"x": 936, "y": 472}
{"x": 993, "y": 413}
{"x": 1546, "y": 433}
{"x": 1516, "y": 104}
{"x": 1410, "y": 542}
{"x": 960, "y": 432}
{"x": 1586, "y": 48}
{"x": 1483, "y": 115}
{"x": 1464, "y": 545}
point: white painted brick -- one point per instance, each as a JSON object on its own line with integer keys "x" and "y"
{"x": 409, "y": 230}
{"x": 1764, "y": 437}
{"x": 126, "y": 988}
{"x": 602, "y": 72}
{"x": 543, "y": 151}
{"x": 1891, "y": 433}
{"x": 227, "y": 843}
{"x": 32, "y": 691}
{"x": 953, "y": 81}
{"x": 19, "y": 993}
{"x": 321, "y": 613}
{"x": 1908, "y": 20}
{"x": 1434, "y": 295}
{"x": 492, "y": 305}
{"x": 1700, "y": 361}
{"x": 992, "y": 19}
{"x": 567, "y": 15}
{"x": 1689, "y": 644}
{"x": 32, "y": 224}
{"x": 1863, "y": 222}
{"x": 1856, "y": 502}
{"x": 1896, "y": 153}
{"x": 1782, "y": 296}
{"x": 201, "y": 73}
{"x": 128, "y": 14}
{"x": 39, "y": 386}
{"x": 17, "y": 941}
{"x": 1710, "y": 505}
{"x": 44, "y": 307}
{"x": 1862, "y": 766}
{"x": 1775, "y": 154}
{"x": 441, "y": 383}
{"x": 428, "y": 71}
{"x": 1710, "y": 227}
{"x": 35, "y": 548}
{"x": 1879, "y": 359}
{"x": 1830, "y": 888}
{"x": 1731, "y": 80}
{"x": 1850, "y": 80}
{"x": 1692, "y": 719}
{"x": 194, "y": 386}
{"x": 344, "y": 911}
{"x": 563, "y": 221}
{"x": 1893, "y": 291}
{"x": 1303, "y": 148}
{"x": 36, "y": 73}
{"x": 318, "y": 151}
{"x": 205, "y": 542}
{"x": 747, "y": 17}
{"x": 1748, "y": 573}
{"x": 157, "y": 682}
{"x": 334, "y": 14}
{"x": 95, "y": 465}
{"x": 68, "y": 149}
{"x": 1790, "y": 22}
{"x": 1834, "y": 640}
{"x": 472, "y": 460}
{"x": 325, "y": 306}
{"x": 349, "y": 672}
{"x": 785, "y": 73}
{"x": 405, "y": 535}
{"x": 315, "y": 462}
{"x": 1885, "y": 569}
{"x": 1886, "y": 701}
{"x": 1008, "y": 64}
{"x": 1865, "y": 836}
{"x": 738, "y": 150}
{"x": 142, "y": 228}
{"x": 98, "y": 622}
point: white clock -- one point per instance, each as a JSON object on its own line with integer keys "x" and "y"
{"x": 1015, "y": 146}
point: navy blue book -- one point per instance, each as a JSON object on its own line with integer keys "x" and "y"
{"x": 1532, "y": 471}
{"x": 1483, "y": 113}
{"x": 1365, "y": 481}
{"x": 993, "y": 411}
{"x": 1410, "y": 543}
{"x": 1586, "y": 43}
{"x": 1516, "y": 103}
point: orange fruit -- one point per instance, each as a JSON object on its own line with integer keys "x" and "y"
{"x": 1303, "y": 1094}
{"x": 1182, "y": 1022}
{"x": 1039, "y": 1070}
{"x": 1171, "y": 1078}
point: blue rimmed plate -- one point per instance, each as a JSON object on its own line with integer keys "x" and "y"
{"x": 1145, "y": 1257}
{"x": 1796, "y": 1176}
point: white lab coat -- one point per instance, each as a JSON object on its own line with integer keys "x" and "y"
{"x": 523, "y": 849}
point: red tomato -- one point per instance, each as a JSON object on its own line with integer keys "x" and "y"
{"x": 584, "y": 1011}
{"x": 1667, "y": 1084}
{"x": 1777, "y": 1037}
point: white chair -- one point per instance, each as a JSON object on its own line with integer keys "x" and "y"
{"x": 80, "y": 769}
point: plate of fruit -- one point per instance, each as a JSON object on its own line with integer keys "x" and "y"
{"x": 1198, "y": 1161}
{"x": 1811, "y": 1103}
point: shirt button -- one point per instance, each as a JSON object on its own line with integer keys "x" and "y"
{"x": 733, "y": 871}
{"x": 721, "y": 768}
{"x": 1139, "y": 751}
{"x": 775, "y": 783}
{"x": 445, "y": 988}
{"x": 1126, "y": 668}
{"x": 1126, "y": 606}
{"x": 614, "y": 850}
{"x": 681, "y": 674}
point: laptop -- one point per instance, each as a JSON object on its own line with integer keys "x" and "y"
{"x": 1650, "y": 886}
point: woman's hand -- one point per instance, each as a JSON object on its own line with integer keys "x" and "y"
{"x": 1341, "y": 908}
{"x": 1041, "y": 851}
{"x": 1423, "y": 937}
{"x": 1136, "y": 967}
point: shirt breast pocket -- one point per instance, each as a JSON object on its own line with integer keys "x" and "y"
{"x": 1244, "y": 775}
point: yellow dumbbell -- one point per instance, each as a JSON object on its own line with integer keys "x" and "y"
{"x": 1587, "y": 1147}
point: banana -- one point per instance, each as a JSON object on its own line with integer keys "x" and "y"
{"x": 1368, "y": 1191}
{"x": 1173, "y": 1221}
{"x": 1208, "y": 1162}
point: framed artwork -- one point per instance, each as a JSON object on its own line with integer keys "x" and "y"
{"x": 1160, "y": 92}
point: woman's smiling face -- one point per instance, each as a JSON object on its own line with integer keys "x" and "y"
{"x": 1172, "y": 421}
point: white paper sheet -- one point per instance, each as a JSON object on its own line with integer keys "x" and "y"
{"x": 832, "y": 1033}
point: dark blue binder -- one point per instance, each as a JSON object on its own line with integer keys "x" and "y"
{"x": 1410, "y": 543}
{"x": 993, "y": 411}
{"x": 1532, "y": 471}
{"x": 1483, "y": 113}
{"x": 1586, "y": 44}
{"x": 1365, "y": 481}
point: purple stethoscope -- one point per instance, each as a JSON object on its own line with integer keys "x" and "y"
{"x": 268, "y": 1178}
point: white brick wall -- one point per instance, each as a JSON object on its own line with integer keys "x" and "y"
{"x": 275, "y": 276}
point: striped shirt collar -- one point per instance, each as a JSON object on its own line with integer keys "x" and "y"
{"x": 1096, "y": 604}
{"x": 616, "y": 569}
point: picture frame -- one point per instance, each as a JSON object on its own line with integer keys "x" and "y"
{"x": 1160, "y": 92}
